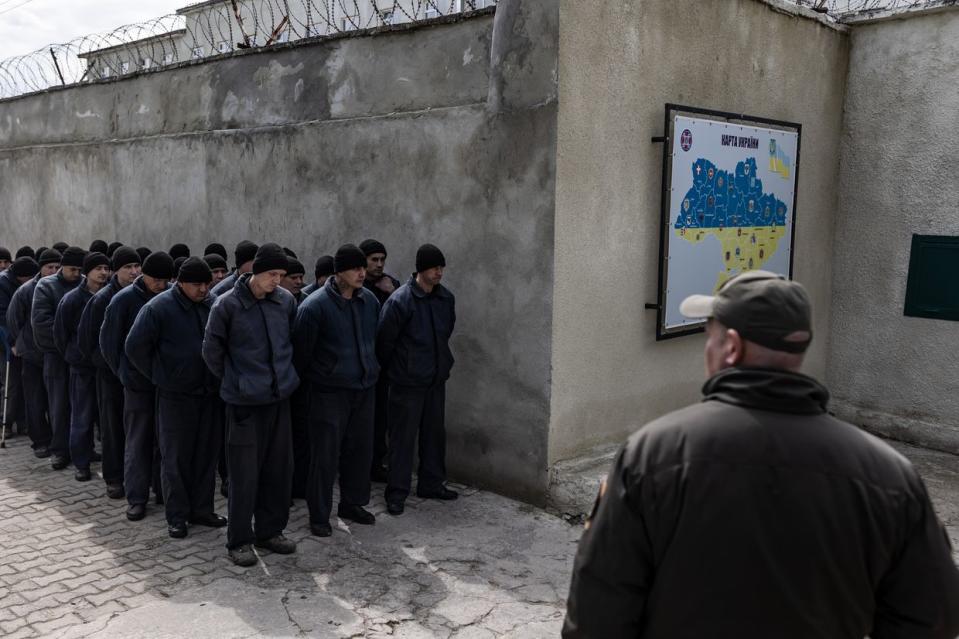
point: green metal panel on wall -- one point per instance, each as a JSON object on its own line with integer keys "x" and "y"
{"x": 932, "y": 289}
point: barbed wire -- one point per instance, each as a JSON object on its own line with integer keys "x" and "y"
{"x": 205, "y": 29}
{"x": 840, "y": 8}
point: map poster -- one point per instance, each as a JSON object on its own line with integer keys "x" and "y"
{"x": 729, "y": 194}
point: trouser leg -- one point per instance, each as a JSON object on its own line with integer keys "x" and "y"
{"x": 35, "y": 401}
{"x": 406, "y": 411}
{"x": 177, "y": 434}
{"x": 244, "y": 469}
{"x": 206, "y": 454}
{"x": 272, "y": 510}
{"x": 300, "y": 417}
{"x": 329, "y": 414}
{"x": 432, "y": 441}
{"x": 380, "y": 431}
{"x": 16, "y": 412}
{"x": 83, "y": 400}
{"x": 57, "y": 382}
{"x": 110, "y": 403}
{"x": 357, "y": 450}
{"x": 139, "y": 428}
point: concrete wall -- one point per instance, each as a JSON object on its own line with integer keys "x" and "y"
{"x": 894, "y": 374}
{"x": 621, "y": 62}
{"x": 311, "y": 146}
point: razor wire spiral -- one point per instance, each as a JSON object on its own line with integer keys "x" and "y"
{"x": 208, "y": 28}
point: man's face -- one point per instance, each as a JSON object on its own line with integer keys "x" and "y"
{"x": 99, "y": 275}
{"x": 354, "y": 277}
{"x": 375, "y": 263}
{"x": 268, "y": 280}
{"x": 49, "y": 269}
{"x": 195, "y": 291}
{"x": 127, "y": 274}
{"x": 24, "y": 279}
{"x": 4, "y": 264}
{"x": 293, "y": 283}
{"x": 155, "y": 285}
{"x": 432, "y": 276}
{"x": 71, "y": 273}
{"x": 218, "y": 275}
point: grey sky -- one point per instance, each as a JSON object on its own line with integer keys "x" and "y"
{"x": 27, "y": 25}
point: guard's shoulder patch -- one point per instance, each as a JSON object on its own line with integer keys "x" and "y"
{"x": 599, "y": 497}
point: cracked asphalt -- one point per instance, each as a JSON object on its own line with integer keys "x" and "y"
{"x": 483, "y": 566}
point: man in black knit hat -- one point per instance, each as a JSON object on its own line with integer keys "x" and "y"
{"x": 5, "y": 258}
{"x": 322, "y": 271}
{"x": 165, "y": 344}
{"x": 413, "y": 348}
{"x": 247, "y": 345}
{"x": 26, "y": 251}
{"x": 215, "y": 248}
{"x": 144, "y": 253}
{"x": 382, "y": 286}
{"x": 140, "y": 463}
{"x": 217, "y": 266}
{"x": 244, "y": 255}
{"x": 56, "y": 374}
{"x": 293, "y": 280}
{"x": 125, "y": 264}
{"x": 21, "y": 330}
{"x": 179, "y": 250}
{"x": 83, "y": 380}
{"x": 60, "y": 247}
{"x": 20, "y": 272}
{"x": 111, "y": 249}
{"x": 99, "y": 246}
{"x": 334, "y": 346}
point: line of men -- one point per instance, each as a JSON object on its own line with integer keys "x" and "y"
{"x": 186, "y": 368}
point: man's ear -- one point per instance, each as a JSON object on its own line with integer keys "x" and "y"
{"x": 734, "y": 348}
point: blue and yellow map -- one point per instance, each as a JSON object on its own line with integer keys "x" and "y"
{"x": 733, "y": 207}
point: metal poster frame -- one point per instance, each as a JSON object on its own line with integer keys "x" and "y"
{"x": 672, "y": 110}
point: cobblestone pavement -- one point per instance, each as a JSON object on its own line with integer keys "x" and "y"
{"x": 483, "y": 566}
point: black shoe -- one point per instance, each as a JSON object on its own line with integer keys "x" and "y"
{"x": 96, "y": 457}
{"x": 395, "y": 508}
{"x": 225, "y": 488}
{"x": 356, "y": 514}
{"x": 42, "y": 452}
{"x": 136, "y": 512}
{"x": 321, "y": 530}
{"x": 59, "y": 462}
{"x": 379, "y": 474}
{"x": 115, "y": 491}
{"x": 243, "y": 556}
{"x": 278, "y": 544}
{"x": 211, "y": 520}
{"x": 82, "y": 474}
{"x": 177, "y": 530}
{"x": 443, "y": 493}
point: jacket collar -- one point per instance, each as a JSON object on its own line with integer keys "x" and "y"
{"x": 767, "y": 389}
{"x": 142, "y": 289}
{"x": 185, "y": 302}
{"x": 439, "y": 290}
{"x": 334, "y": 292}
{"x": 243, "y": 293}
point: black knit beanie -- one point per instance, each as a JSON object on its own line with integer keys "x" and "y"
{"x": 39, "y": 252}
{"x": 113, "y": 247}
{"x": 324, "y": 266}
{"x": 215, "y": 260}
{"x": 216, "y": 249}
{"x": 270, "y": 257}
{"x": 99, "y": 246}
{"x": 93, "y": 260}
{"x": 144, "y": 253}
{"x": 122, "y": 256}
{"x": 427, "y": 257}
{"x": 159, "y": 265}
{"x": 245, "y": 252}
{"x": 348, "y": 257}
{"x": 5, "y": 254}
{"x": 49, "y": 256}
{"x": 73, "y": 256}
{"x": 61, "y": 246}
{"x": 369, "y": 247}
{"x": 26, "y": 251}
{"x": 179, "y": 250}
{"x": 289, "y": 252}
{"x": 176, "y": 265}
{"x": 294, "y": 266}
{"x": 25, "y": 266}
{"x": 195, "y": 271}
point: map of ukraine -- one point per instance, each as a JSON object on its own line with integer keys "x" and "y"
{"x": 747, "y": 222}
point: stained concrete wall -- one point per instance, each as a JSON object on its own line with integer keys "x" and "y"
{"x": 620, "y": 63}
{"x": 393, "y": 136}
{"x": 894, "y": 374}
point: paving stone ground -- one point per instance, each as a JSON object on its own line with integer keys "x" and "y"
{"x": 483, "y": 566}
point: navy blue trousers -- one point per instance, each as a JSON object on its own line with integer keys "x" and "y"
{"x": 56, "y": 378}
{"x": 110, "y": 405}
{"x": 141, "y": 455}
{"x": 35, "y": 404}
{"x": 83, "y": 415}
{"x": 417, "y": 414}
